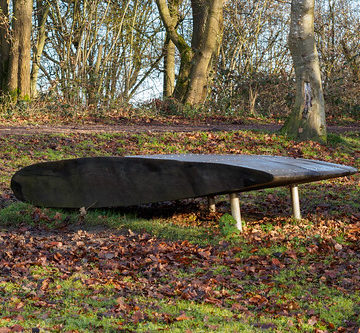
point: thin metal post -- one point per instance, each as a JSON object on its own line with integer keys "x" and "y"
{"x": 211, "y": 203}
{"x": 235, "y": 210}
{"x": 295, "y": 202}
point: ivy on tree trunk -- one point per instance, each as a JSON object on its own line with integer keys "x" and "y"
{"x": 196, "y": 60}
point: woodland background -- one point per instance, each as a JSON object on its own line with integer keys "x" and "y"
{"x": 96, "y": 89}
{"x": 100, "y": 56}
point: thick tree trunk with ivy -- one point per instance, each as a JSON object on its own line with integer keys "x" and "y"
{"x": 307, "y": 120}
{"x": 18, "y": 68}
{"x": 197, "y": 59}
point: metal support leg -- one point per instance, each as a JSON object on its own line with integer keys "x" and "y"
{"x": 295, "y": 202}
{"x": 235, "y": 210}
{"x": 211, "y": 202}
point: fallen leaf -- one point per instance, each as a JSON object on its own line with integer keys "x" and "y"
{"x": 82, "y": 211}
{"x": 109, "y": 255}
{"x": 55, "y": 244}
{"x": 45, "y": 284}
{"x": 137, "y": 316}
{"x": 239, "y": 307}
{"x": 266, "y": 326}
{"x": 338, "y": 247}
{"x": 332, "y": 326}
{"x": 57, "y": 256}
{"x": 19, "y": 305}
{"x": 213, "y": 327}
{"x": 276, "y": 262}
{"x": 5, "y": 330}
{"x": 17, "y": 328}
{"x": 205, "y": 254}
{"x": 258, "y": 299}
{"x": 183, "y": 316}
{"x": 312, "y": 321}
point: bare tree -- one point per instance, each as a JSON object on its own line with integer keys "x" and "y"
{"x": 42, "y": 11}
{"x": 198, "y": 59}
{"x": 307, "y": 120}
{"x": 101, "y": 52}
{"x": 253, "y": 54}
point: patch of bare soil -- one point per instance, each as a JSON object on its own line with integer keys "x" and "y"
{"x": 156, "y": 128}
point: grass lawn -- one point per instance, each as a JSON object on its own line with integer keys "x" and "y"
{"x": 175, "y": 266}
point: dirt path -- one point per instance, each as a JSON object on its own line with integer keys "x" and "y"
{"x": 138, "y": 128}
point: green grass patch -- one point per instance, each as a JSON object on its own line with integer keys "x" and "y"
{"x": 187, "y": 270}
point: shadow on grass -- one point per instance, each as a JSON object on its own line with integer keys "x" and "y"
{"x": 20, "y": 214}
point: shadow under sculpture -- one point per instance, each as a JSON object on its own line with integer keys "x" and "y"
{"x": 133, "y": 180}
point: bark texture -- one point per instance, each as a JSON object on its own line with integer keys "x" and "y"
{"x": 18, "y": 74}
{"x": 169, "y": 51}
{"x": 196, "y": 60}
{"x": 169, "y": 68}
{"x": 207, "y": 17}
{"x": 307, "y": 120}
{"x": 4, "y": 42}
{"x": 43, "y": 11}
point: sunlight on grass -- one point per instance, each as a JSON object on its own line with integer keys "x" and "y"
{"x": 19, "y": 213}
{"x": 280, "y": 275}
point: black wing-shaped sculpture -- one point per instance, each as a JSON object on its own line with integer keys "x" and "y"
{"x": 133, "y": 180}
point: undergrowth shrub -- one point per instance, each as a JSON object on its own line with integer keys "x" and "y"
{"x": 271, "y": 96}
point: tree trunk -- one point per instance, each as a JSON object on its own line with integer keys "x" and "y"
{"x": 207, "y": 22}
{"x": 4, "y": 43}
{"x": 169, "y": 68}
{"x": 95, "y": 81}
{"x": 307, "y": 120}
{"x": 13, "y": 69}
{"x": 43, "y": 11}
{"x": 196, "y": 61}
{"x": 19, "y": 60}
{"x": 169, "y": 52}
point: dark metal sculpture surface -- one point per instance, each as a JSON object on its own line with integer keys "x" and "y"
{"x": 133, "y": 180}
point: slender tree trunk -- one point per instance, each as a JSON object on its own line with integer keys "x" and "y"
{"x": 169, "y": 67}
{"x": 26, "y": 7}
{"x": 13, "y": 69}
{"x": 169, "y": 52}
{"x": 95, "y": 79}
{"x": 4, "y": 43}
{"x": 43, "y": 11}
{"x": 307, "y": 120}
{"x": 253, "y": 95}
{"x": 19, "y": 61}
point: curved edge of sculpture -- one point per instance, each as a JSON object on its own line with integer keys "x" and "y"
{"x": 126, "y": 181}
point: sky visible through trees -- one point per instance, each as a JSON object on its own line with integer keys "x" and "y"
{"x": 109, "y": 53}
